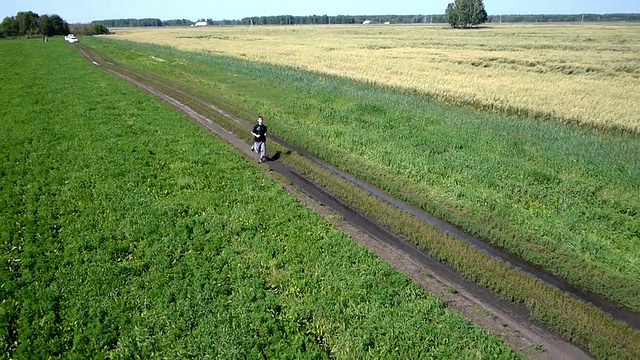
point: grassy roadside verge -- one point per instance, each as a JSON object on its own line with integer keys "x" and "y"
{"x": 127, "y": 231}
{"x": 580, "y": 323}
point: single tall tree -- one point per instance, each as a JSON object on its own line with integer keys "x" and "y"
{"x": 479, "y": 13}
{"x": 451, "y": 15}
{"x": 465, "y": 13}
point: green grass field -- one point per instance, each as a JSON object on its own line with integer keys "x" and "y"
{"x": 562, "y": 196}
{"x": 127, "y": 231}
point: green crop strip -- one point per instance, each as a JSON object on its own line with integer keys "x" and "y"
{"x": 127, "y": 231}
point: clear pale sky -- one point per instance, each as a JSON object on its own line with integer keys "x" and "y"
{"x": 87, "y": 10}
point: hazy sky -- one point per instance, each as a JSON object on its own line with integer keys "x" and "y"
{"x": 88, "y": 10}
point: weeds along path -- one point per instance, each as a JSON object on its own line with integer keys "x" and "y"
{"x": 226, "y": 126}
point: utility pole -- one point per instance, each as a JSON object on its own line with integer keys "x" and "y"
{"x": 582, "y": 21}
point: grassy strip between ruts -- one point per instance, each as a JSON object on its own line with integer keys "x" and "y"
{"x": 127, "y": 231}
{"x": 578, "y": 322}
{"x": 562, "y": 197}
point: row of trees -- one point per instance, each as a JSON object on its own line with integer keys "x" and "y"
{"x": 279, "y": 20}
{"x": 147, "y": 22}
{"x": 89, "y": 29}
{"x": 562, "y": 18}
{"x": 340, "y": 19}
{"x": 465, "y": 13}
{"x": 480, "y": 16}
{"x": 28, "y": 23}
{"x": 380, "y": 19}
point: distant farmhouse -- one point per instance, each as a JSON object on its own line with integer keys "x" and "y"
{"x": 201, "y": 23}
{"x": 366, "y": 22}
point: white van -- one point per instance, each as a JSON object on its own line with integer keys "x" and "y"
{"x": 71, "y": 38}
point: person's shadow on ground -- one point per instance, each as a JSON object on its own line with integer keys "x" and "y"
{"x": 278, "y": 155}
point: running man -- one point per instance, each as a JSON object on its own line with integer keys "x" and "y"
{"x": 259, "y": 133}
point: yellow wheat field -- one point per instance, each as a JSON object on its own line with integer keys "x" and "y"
{"x": 577, "y": 73}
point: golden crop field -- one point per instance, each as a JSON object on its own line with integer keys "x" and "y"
{"x": 576, "y": 73}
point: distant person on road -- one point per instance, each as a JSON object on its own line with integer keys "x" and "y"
{"x": 259, "y": 133}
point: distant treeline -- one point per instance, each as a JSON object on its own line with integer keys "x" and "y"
{"x": 149, "y": 22}
{"x": 28, "y": 23}
{"x": 563, "y": 18}
{"x": 359, "y": 19}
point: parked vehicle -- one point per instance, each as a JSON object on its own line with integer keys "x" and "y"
{"x": 71, "y": 38}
